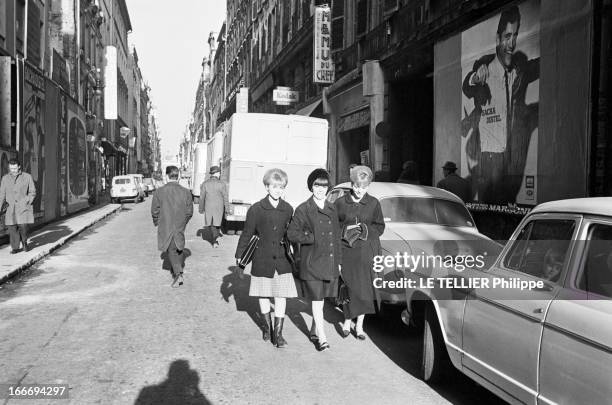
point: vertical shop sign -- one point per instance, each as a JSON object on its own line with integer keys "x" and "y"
{"x": 323, "y": 66}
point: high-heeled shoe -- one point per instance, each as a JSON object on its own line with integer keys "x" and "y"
{"x": 323, "y": 346}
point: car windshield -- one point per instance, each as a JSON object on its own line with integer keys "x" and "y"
{"x": 425, "y": 210}
{"x": 122, "y": 181}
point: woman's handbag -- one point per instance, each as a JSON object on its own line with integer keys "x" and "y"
{"x": 343, "y": 293}
{"x": 247, "y": 255}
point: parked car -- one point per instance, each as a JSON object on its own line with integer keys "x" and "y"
{"x": 421, "y": 220}
{"x": 548, "y": 344}
{"x": 126, "y": 187}
{"x": 149, "y": 185}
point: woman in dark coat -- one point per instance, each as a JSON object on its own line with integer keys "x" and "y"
{"x": 271, "y": 271}
{"x": 316, "y": 229}
{"x": 359, "y": 211}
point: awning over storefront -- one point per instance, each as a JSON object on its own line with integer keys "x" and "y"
{"x": 309, "y": 109}
{"x": 109, "y": 148}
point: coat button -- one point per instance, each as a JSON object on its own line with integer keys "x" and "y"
{"x": 274, "y": 257}
{"x": 331, "y": 255}
{"x": 274, "y": 228}
{"x": 330, "y": 233}
{"x": 329, "y": 222}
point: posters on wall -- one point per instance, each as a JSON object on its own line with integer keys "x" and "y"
{"x": 5, "y": 156}
{"x": 500, "y": 67}
{"x": 76, "y": 165}
{"x": 32, "y": 145}
{"x": 3, "y": 19}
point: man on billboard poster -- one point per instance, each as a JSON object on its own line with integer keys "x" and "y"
{"x": 501, "y": 122}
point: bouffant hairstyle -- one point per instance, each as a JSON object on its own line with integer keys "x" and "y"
{"x": 319, "y": 176}
{"x": 276, "y": 175}
{"x": 361, "y": 176}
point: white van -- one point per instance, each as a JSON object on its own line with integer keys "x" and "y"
{"x": 127, "y": 187}
{"x": 254, "y": 143}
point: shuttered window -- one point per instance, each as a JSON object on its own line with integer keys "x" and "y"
{"x": 337, "y": 24}
{"x": 362, "y": 17}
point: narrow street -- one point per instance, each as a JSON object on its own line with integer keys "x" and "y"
{"x": 100, "y": 316}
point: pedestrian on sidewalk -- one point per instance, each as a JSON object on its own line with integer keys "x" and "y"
{"x": 362, "y": 224}
{"x": 18, "y": 190}
{"x": 454, "y": 183}
{"x": 271, "y": 271}
{"x": 213, "y": 201}
{"x": 171, "y": 209}
{"x": 316, "y": 229}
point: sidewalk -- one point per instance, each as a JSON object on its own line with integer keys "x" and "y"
{"x": 45, "y": 240}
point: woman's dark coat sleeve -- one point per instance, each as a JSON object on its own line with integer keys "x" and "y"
{"x": 248, "y": 232}
{"x": 299, "y": 228}
{"x": 378, "y": 223}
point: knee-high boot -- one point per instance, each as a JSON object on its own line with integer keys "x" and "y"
{"x": 279, "y": 340}
{"x": 267, "y": 333}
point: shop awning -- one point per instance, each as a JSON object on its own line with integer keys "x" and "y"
{"x": 109, "y": 148}
{"x": 309, "y": 109}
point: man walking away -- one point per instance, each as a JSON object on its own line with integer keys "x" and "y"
{"x": 454, "y": 183}
{"x": 171, "y": 209}
{"x": 18, "y": 190}
{"x": 213, "y": 200}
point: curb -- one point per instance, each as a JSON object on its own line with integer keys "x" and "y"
{"x": 46, "y": 252}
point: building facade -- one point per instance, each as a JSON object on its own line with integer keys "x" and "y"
{"x": 404, "y": 91}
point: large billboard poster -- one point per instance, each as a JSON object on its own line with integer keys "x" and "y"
{"x": 77, "y": 159}
{"x": 33, "y": 142}
{"x": 500, "y": 72}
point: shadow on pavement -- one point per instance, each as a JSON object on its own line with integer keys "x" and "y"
{"x": 51, "y": 234}
{"x": 209, "y": 234}
{"x": 180, "y": 387}
{"x": 403, "y": 346}
{"x": 237, "y": 284}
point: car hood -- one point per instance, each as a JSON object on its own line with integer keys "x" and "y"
{"x": 431, "y": 239}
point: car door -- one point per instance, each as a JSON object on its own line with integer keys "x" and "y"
{"x": 576, "y": 354}
{"x": 503, "y": 326}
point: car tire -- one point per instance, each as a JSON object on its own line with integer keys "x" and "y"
{"x": 435, "y": 363}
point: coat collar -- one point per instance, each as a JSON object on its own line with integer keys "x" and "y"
{"x": 365, "y": 200}
{"x": 328, "y": 208}
{"x": 266, "y": 205}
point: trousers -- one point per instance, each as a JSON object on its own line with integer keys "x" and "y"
{"x": 175, "y": 257}
{"x": 18, "y": 233}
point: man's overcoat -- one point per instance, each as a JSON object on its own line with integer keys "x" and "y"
{"x": 213, "y": 200}
{"x": 171, "y": 209}
{"x": 19, "y": 192}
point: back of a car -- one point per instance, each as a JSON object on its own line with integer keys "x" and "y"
{"x": 124, "y": 187}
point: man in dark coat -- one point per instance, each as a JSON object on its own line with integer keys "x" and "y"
{"x": 213, "y": 200}
{"x": 18, "y": 190}
{"x": 171, "y": 209}
{"x": 454, "y": 183}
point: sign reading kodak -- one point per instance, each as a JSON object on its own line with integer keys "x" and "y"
{"x": 323, "y": 65}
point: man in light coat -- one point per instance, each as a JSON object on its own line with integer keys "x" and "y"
{"x": 18, "y": 190}
{"x": 171, "y": 209}
{"x": 213, "y": 200}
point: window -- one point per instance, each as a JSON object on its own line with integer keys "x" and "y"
{"x": 337, "y": 25}
{"x": 361, "y": 24}
{"x": 541, "y": 248}
{"x": 122, "y": 181}
{"x": 596, "y": 276}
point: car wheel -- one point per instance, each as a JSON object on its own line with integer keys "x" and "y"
{"x": 435, "y": 362}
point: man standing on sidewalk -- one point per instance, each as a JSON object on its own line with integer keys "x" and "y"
{"x": 171, "y": 209}
{"x": 213, "y": 200}
{"x": 18, "y": 190}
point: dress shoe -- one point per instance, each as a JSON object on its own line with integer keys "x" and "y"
{"x": 360, "y": 335}
{"x": 25, "y": 247}
{"x": 323, "y": 346}
{"x": 345, "y": 333}
{"x": 13, "y": 251}
{"x": 180, "y": 279}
